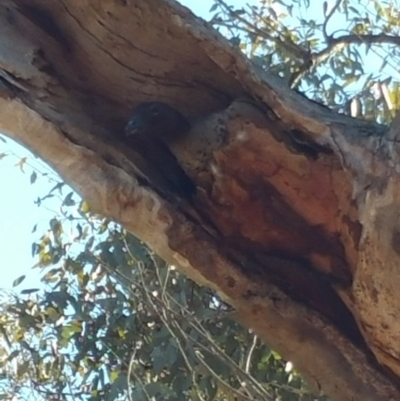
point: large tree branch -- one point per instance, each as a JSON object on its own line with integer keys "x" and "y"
{"x": 294, "y": 202}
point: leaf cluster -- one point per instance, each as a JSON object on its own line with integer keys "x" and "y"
{"x": 343, "y": 54}
{"x": 115, "y": 322}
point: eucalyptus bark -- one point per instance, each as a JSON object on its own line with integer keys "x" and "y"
{"x": 296, "y": 220}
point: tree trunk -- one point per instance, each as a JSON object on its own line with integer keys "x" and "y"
{"x": 295, "y": 221}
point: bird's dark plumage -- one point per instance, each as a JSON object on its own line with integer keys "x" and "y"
{"x": 150, "y": 129}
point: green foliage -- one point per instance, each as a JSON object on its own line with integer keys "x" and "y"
{"x": 343, "y": 54}
{"x": 116, "y": 321}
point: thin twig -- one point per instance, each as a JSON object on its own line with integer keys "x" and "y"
{"x": 328, "y": 17}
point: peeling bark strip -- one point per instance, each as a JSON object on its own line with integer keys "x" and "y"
{"x": 296, "y": 218}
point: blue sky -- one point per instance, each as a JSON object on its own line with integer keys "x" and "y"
{"x": 19, "y": 213}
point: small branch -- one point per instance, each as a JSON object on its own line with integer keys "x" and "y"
{"x": 371, "y": 39}
{"x": 336, "y": 44}
{"x": 250, "y": 355}
{"x": 237, "y": 393}
{"x": 328, "y": 17}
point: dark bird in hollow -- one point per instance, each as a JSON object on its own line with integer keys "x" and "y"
{"x": 151, "y": 127}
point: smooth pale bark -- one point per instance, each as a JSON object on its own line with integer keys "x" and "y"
{"x": 296, "y": 220}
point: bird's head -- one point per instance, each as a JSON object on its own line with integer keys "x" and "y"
{"x": 156, "y": 118}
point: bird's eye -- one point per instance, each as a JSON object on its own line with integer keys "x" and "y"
{"x": 155, "y": 111}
